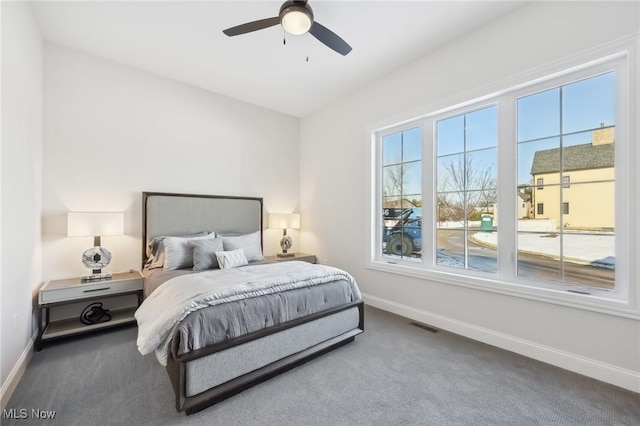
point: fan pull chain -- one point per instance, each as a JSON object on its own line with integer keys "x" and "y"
{"x": 284, "y": 37}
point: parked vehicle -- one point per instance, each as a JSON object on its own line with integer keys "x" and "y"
{"x": 404, "y": 237}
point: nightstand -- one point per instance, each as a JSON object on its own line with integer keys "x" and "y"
{"x": 61, "y": 293}
{"x": 311, "y": 258}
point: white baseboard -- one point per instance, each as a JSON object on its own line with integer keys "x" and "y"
{"x": 617, "y": 376}
{"x": 9, "y": 386}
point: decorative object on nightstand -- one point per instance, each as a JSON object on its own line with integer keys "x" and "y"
{"x": 96, "y": 225}
{"x": 284, "y": 221}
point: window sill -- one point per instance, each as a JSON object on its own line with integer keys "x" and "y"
{"x": 604, "y": 303}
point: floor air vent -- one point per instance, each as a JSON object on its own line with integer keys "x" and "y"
{"x": 424, "y": 327}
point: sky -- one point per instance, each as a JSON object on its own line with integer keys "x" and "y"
{"x": 546, "y": 119}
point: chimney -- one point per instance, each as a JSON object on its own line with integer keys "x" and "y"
{"x": 603, "y": 136}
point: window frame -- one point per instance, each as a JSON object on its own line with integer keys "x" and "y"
{"x": 623, "y": 300}
{"x": 401, "y": 163}
{"x": 432, "y": 122}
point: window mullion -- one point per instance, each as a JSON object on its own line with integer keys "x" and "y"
{"x": 429, "y": 196}
{"x": 507, "y": 188}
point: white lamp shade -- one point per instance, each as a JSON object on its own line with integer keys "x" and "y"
{"x": 284, "y": 220}
{"x": 92, "y": 224}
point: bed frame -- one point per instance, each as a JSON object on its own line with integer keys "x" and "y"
{"x": 211, "y": 374}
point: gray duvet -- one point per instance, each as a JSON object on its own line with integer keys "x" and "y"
{"x": 219, "y": 323}
{"x": 215, "y": 324}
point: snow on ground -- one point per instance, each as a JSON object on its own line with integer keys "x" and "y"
{"x": 594, "y": 249}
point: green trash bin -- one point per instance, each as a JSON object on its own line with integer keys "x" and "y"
{"x": 486, "y": 222}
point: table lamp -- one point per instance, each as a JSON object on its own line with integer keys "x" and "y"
{"x": 285, "y": 221}
{"x": 95, "y": 224}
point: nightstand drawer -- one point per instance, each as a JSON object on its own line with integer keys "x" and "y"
{"x": 74, "y": 289}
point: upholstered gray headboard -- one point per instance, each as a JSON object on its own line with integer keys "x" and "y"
{"x": 182, "y": 214}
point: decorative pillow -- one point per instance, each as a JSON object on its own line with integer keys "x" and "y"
{"x": 178, "y": 253}
{"x": 231, "y": 259}
{"x": 204, "y": 253}
{"x": 250, "y": 243}
{"x": 155, "y": 249}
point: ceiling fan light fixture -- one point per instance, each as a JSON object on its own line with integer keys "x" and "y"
{"x": 296, "y": 17}
{"x": 296, "y": 20}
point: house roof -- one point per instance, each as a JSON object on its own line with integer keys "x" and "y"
{"x": 524, "y": 196}
{"x": 577, "y": 157}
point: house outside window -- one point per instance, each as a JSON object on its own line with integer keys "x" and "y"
{"x": 469, "y": 217}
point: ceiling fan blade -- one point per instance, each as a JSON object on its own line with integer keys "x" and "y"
{"x": 252, "y": 26}
{"x": 329, "y": 38}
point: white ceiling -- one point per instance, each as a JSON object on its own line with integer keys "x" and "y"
{"x": 184, "y": 41}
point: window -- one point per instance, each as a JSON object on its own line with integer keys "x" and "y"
{"x": 402, "y": 194}
{"x": 569, "y": 128}
{"x": 454, "y": 200}
{"x": 466, "y": 185}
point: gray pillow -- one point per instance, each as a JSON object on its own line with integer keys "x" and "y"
{"x": 250, "y": 243}
{"x": 204, "y": 253}
{"x": 155, "y": 249}
{"x": 178, "y": 253}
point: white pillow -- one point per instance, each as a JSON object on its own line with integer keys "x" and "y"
{"x": 250, "y": 243}
{"x": 178, "y": 253}
{"x": 231, "y": 259}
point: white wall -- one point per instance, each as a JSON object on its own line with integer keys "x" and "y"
{"x": 336, "y": 186}
{"x": 111, "y": 132}
{"x": 21, "y": 187}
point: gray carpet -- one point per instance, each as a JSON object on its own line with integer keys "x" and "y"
{"x": 393, "y": 374}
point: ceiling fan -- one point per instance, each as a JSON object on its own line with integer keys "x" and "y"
{"x": 296, "y": 17}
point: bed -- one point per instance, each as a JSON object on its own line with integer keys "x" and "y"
{"x": 226, "y": 341}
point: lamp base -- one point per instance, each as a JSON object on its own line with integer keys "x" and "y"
{"x": 286, "y": 254}
{"x": 96, "y": 258}
{"x": 96, "y": 277}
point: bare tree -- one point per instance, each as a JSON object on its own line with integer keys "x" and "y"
{"x": 466, "y": 188}
{"x": 393, "y": 178}
{"x": 395, "y": 182}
